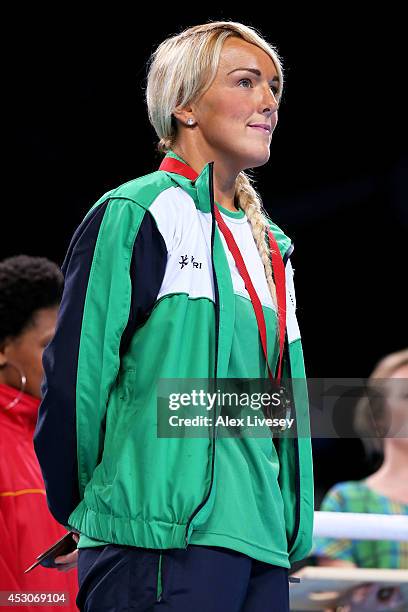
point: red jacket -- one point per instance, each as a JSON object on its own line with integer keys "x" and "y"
{"x": 26, "y": 526}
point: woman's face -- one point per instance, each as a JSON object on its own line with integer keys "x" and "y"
{"x": 25, "y": 351}
{"x": 236, "y": 99}
{"x": 397, "y": 406}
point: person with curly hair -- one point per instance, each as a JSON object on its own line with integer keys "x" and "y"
{"x": 30, "y": 293}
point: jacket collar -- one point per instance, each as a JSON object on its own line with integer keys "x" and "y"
{"x": 23, "y": 415}
{"x": 198, "y": 188}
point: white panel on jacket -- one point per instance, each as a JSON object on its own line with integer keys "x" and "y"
{"x": 291, "y": 319}
{"x": 189, "y": 268}
{"x": 242, "y": 232}
{"x": 187, "y": 234}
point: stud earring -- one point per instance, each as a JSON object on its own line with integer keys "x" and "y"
{"x": 190, "y": 121}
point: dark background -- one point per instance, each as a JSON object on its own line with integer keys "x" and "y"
{"x": 336, "y": 181}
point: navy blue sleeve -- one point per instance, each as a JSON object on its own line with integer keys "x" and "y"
{"x": 55, "y": 437}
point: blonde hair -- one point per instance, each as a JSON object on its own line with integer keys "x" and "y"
{"x": 368, "y": 415}
{"x": 180, "y": 70}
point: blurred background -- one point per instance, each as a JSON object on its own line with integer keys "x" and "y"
{"x": 336, "y": 181}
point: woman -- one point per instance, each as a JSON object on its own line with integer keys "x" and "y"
{"x": 153, "y": 292}
{"x": 30, "y": 292}
{"x": 380, "y": 422}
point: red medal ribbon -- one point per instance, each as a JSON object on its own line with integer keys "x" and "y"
{"x": 171, "y": 164}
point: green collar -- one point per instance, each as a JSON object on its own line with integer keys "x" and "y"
{"x": 201, "y": 179}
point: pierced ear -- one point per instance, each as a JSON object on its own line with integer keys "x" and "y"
{"x": 3, "y": 346}
{"x": 182, "y": 113}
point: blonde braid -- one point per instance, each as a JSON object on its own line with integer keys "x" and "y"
{"x": 165, "y": 144}
{"x": 250, "y": 202}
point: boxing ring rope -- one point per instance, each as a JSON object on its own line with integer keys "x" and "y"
{"x": 360, "y": 526}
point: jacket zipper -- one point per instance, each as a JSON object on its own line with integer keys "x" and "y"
{"x": 295, "y": 440}
{"x": 217, "y": 319}
{"x": 297, "y": 473}
{"x": 217, "y": 331}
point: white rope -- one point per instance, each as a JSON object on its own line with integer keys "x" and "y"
{"x": 360, "y": 526}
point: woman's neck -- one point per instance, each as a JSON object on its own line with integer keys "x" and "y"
{"x": 224, "y": 176}
{"x": 389, "y": 479}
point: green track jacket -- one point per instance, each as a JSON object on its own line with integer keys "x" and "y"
{"x": 131, "y": 314}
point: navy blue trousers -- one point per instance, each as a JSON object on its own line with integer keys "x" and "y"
{"x": 117, "y": 578}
